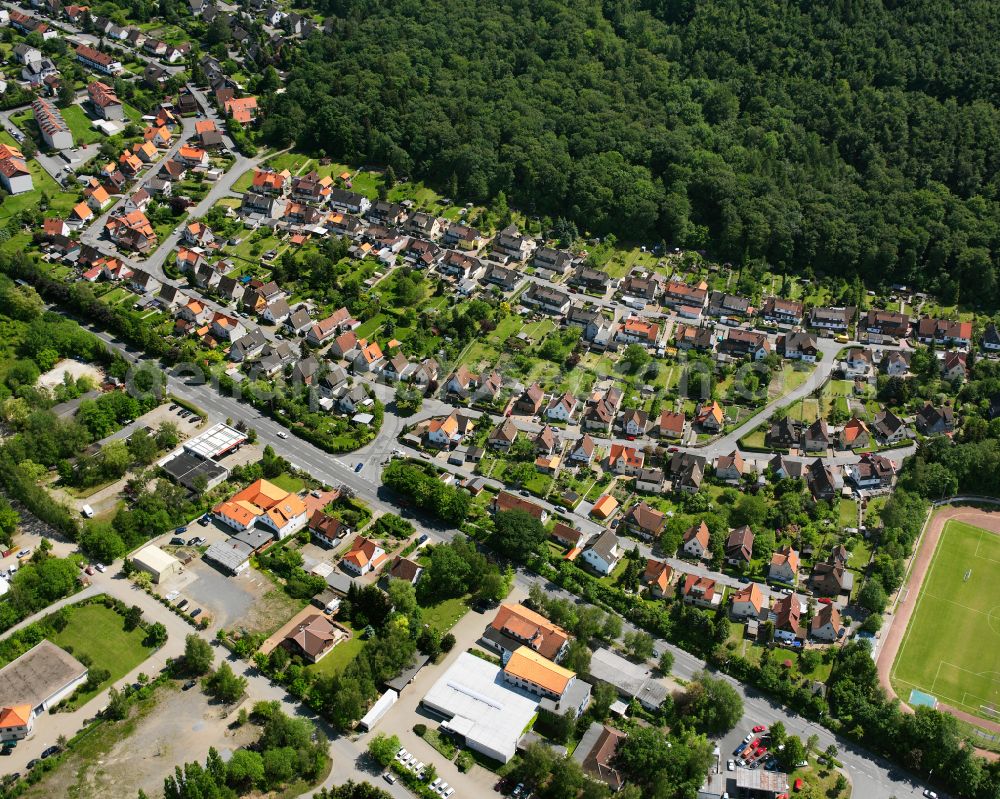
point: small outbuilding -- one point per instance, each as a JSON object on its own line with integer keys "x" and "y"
{"x": 156, "y": 562}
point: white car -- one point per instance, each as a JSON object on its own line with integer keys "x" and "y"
{"x": 730, "y": 766}
{"x": 930, "y": 794}
{"x": 101, "y": 567}
{"x": 444, "y": 788}
{"x": 282, "y": 434}
{"x": 448, "y": 793}
{"x": 435, "y": 784}
{"x": 748, "y": 739}
{"x": 402, "y": 755}
{"x": 418, "y": 767}
{"x": 172, "y": 596}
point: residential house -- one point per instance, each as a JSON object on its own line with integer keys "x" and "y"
{"x": 671, "y": 425}
{"x": 739, "y": 546}
{"x": 583, "y": 450}
{"x": 515, "y": 626}
{"x": 953, "y": 366}
{"x": 740, "y": 343}
{"x": 406, "y": 570}
{"x": 591, "y": 280}
{"x": 710, "y": 417}
{"x": 561, "y": 409}
{"x": 369, "y": 357}
{"x": 105, "y": 102}
{"x": 503, "y": 435}
{"x": 657, "y": 577}
{"x": 531, "y": 400}
{"x": 990, "y": 341}
{"x": 784, "y": 433}
{"x": 820, "y": 480}
{"x": 871, "y": 472}
{"x": 488, "y": 390}
{"x": 314, "y": 638}
{"x": 55, "y": 132}
{"x": 832, "y": 320}
{"x": 248, "y": 346}
{"x": 889, "y": 428}
{"x": 546, "y": 441}
{"x": 552, "y": 260}
{"x": 857, "y": 363}
{"x": 854, "y": 435}
{"x": 798, "y": 345}
{"x": 513, "y": 244}
{"x": 241, "y": 109}
{"x": 349, "y": 201}
{"x": 896, "y": 363}
{"x": 325, "y": 329}
{"x": 131, "y": 231}
{"x": 327, "y": 529}
{"x": 731, "y": 467}
{"x": 645, "y": 521}
{"x": 826, "y": 624}
{"x": 598, "y": 417}
{"x": 651, "y": 481}
{"x": 831, "y": 578}
{"x": 748, "y": 602}
{"x": 15, "y": 177}
{"x": 633, "y": 423}
{"x": 695, "y": 541}
{"x": 730, "y": 306}
{"x": 364, "y": 556}
{"x": 944, "y": 332}
{"x": 935, "y": 421}
{"x": 462, "y": 382}
{"x": 506, "y": 279}
{"x": 506, "y": 501}
{"x": 637, "y": 330}
{"x": 700, "y": 591}
{"x": 784, "y": 566}
{"x": 816, "y": 437}
{"x": 888, "y": 323}
{"x": 624, "y": 460}
{"x": 688, "y": 471}
{"x": 680, "y": 295}
{"x": 98, "y": 61}
{"x": 546, "y": 299}
{"x": 784, "y": 614}
{"x": 566, "y": 535}
{"x": 226, "y": 327}
{"x": 355, "y": 397}
{"x": 603, "y": 553}
{"x": 641, "y": 286}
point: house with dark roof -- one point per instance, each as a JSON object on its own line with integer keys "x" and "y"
{"x": 645, "y": 521}
{"x": 739, "y": 546}
{"x": 935, "y": 420}
{"x": 603, "y": 553}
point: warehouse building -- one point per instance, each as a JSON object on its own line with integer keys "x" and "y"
{"x": 156, "y": 562}
{"x": 41, "y": 678}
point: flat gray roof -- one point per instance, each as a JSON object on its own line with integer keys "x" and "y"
{"x": 629, "y": 678}
{"x": 216, "y": 441}
{"x": 230, "y": 554}
{"x": 38, "y": 674}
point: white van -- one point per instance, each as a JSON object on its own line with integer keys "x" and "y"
{"x": 87, "y": 511}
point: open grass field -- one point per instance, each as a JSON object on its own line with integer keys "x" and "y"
{"x": 100, "y": 633}
{"x": 951, "y": 649}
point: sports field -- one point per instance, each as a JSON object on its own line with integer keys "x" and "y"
{"x": 951, "y": 649}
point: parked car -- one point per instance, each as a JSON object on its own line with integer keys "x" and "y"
{"x": 930, "y": 794}
{"x": 730, "y": 765}
{"x": 23, "y": 553}
{"x": 177, "y": 541}
{"x": 189, "y": 685}
{"x": 183, "y": 604}
{"x": 89, "y": 570}
{"x": 196, "y": 541}
{"x": 101, "y": 567}
{"x": 760, "y": 728}
{"x": 389, "y": 778}
{"x": 195, "y": 613}
{"x": 51, "y": 750}
{"x": 33, "y": 762}
{"x": 180, "y": 530}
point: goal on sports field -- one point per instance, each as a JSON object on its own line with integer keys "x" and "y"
{"x": 990, "y": 710}
{"x": 968, "y": 574}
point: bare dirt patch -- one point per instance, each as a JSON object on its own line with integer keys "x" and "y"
{"x": 172, "y": 728}
{"x": 54, "y": 376}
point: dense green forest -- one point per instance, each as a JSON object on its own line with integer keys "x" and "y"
{"x": 849, "y": 137}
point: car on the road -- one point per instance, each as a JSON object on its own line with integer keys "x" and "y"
{"x": 23, "y": 553}
{"x": 51, "y": 750}
{"x": 930, "y": 794}
{"x": 359, "y": 467}
{"x": 389, "y": 777}
{"x": 730, "y": 765}
{"x": 100, "y": 567}
{"x": 33, "y": 762}
{"x": 189, "y": 685}
{"x": 282, "y": 434}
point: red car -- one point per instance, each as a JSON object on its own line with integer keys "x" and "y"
{"x": 825, "y": 601}
{"x": 755, "y": 743}
{"x": 798, "y": 784}
{"x": 759, "y": 728}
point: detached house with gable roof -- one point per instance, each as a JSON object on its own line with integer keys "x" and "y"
{"x": 695, "y": 541}
{"x": 365, "y": 556}
{"x": 784, "y": 565}
{"x": 657, "y": 577}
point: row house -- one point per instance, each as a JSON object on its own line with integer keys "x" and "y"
{"x": 944, "y": 332}
{"x": 105, "y": 102}
{"x": 741, "y": 343}
{"x": 677, "y": 295}
{"x": 512, "y": 243}
{"x": 546, "y": 299}
{"x": 552, "y": 260}
{"x": 55, "y": 132}
{"x": 590, "y": 279}
{"x": 780, "y": 311}
{"x": 887, "y": 323}
{"x": 132, "y": 231}
{"x": 833, "y": 320}
{"x": 348, "y": 201}
{"x": 730, "y": 306}
{"x": 462, "y": 236}
{"x": 98, "y": 61}
{"x": 636, "y": 330}
{"x": 460, "y": 266}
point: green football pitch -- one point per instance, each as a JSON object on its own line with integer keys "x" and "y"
{"x": 951, "y": 649}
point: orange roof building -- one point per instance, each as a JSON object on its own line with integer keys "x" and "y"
{"x": 516, "y": 626}
{"x": 15, "y": 722}
{"x": 243, "y": 109}
{"x": 604, "y": 507}
{"x": 529, "y": 670}
{"x": 365, "y": 556}
{"x": 263, "y": 501}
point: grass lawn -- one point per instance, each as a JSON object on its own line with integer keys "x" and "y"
{"x": 99, "y": 633}
{"x": 848, "y": 513}
{"x": 60, "y": 202}
{"x": 80, "y": 125}
{"x": 342, "y": 654}
{"x": 951, "y": 649}
{"x": 444, "y": 615}
{"x": 291, "y": 484}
